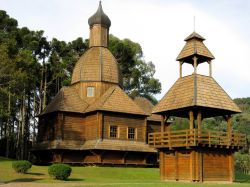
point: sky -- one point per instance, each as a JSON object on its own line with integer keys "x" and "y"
{"x": 160, "y": 27}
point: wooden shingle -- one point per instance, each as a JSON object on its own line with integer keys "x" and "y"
{"x": 196, "y": 90}
{"x": 66, "y": 100}
{"x": 116, "y": 100}
{"x": 194, "y": 46}
{"x": 147, "y": 106}
{"x": 98, "y": 144}
{"x": 96, "y": 64}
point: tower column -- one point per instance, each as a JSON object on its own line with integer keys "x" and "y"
{"x": 191, "y": 119}
{"x": 229, "y": 128}
{"x": 181, "y": 69}
{"x": 195, "y": 64}
{"x": 210, "y": 68}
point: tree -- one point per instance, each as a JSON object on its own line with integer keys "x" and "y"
{"x": 137, "y": 75}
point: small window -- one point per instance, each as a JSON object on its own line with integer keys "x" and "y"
{"x": 131, "y": 133}
{"x": 113, "y": 132}
{"x": 90, "y": 91}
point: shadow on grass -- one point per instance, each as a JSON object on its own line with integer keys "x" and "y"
{"x": 37, "y": 174}
{"x": 23, "y": 180}
{"x": 74, "y": 179}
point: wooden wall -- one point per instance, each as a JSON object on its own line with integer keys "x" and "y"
{"x": 68, "y": 126}
{"x": 197, "y": 165}
{"x": 98, "y": 36}
{"x": 123, "y": 122}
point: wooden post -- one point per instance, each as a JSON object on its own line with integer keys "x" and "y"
{"x": 195, "y": 64}
{"x": 192, "y": 169}
{"x": 200, "y": 166}
{"x": 199, "y": 120}
{"x": 176, "y": 166}
{"x": 210, "y": 68}
{"x": 191, "y": 120}
{"x": 229, "y": 129}
{"x": 100, "y": 125}
{"x": 231, "y": 167}
{"x": 180, "y": 69}
{"x": 162, "y": 123}
{"x": 162, "y": 167}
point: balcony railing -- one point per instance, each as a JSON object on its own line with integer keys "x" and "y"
{"x": 195, "y": 137}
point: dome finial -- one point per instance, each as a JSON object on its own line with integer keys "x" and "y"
{"x": 99, "y": 17}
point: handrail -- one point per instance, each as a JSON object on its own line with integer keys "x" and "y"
{"x": 193, "y": 137}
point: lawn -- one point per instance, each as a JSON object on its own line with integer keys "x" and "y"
{"x": 103, "y": 176}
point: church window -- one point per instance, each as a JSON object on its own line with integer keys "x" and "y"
{"x": 90, "y": 91}
{"x": 131, "y": 133}
{"x": 113, "y": 131}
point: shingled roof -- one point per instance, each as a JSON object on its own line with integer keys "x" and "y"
{"x": 66, "y": 100}
{"x": 194, "y": 46}
{"x": 105, "y": 144}
{"x": 116, "y": 100}
{"x": 147, "y": 106}
{"x": 96, "y": 64}
{"x": 196, "y": 90}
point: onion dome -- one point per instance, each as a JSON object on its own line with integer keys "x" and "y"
{"x": 99, "y": 18}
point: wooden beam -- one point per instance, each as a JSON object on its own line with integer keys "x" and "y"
{"x": 100, "y": 124}
{"x": 191, "y": 170}
{"x": 199, "y": 121}
{"x": 229, "y": 128}
{"x": 200, "y": 166}
{"x": 195, "y": 64}
{"x": 162, "y": 123}
{"x": 180, "y": 69}
{"x": 162, "y": 173}
{"x": 191, "y": 119}
{"x": 210, "y": 68}
{"x": 231, "y": 167}
{"x": 176, "y": 166}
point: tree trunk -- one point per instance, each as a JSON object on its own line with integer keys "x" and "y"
{"x": 8, "y": 129}
{"x": 45, "y": 89}
{"x": 22, "y": 127}
{"x": 41, "y": 89}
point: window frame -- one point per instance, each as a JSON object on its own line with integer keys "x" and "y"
{"x": 90, "y": 91}
{"x": 135, "y": 133}
{"x": 117, "y": 132}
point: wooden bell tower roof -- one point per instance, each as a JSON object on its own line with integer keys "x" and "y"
{"x": 194, "y": 47}
{"x": 196, "y": 92}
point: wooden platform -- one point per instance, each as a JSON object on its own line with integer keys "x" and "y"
{"x": 194, "y": 137}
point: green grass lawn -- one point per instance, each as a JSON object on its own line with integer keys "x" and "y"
{"x": 104, "y": 176}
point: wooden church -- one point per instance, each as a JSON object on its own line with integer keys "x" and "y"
{"x": 93, "y": 121}
{"x": 196, "y": 154}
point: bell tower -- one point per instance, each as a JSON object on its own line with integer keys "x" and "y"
{"x": 195, "y": 53}
{"x": 196, "y": 153}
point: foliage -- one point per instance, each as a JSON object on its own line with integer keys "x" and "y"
{"x": 59, "y": 171}
{"x": 242, "y": 162}
{"x": 33, "y": 69}
{"x": 21, "y": 166}
{"x": 137, "y": 75}
{"x": 243, "y": 103}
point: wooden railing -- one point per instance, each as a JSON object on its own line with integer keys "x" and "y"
{"x": 195, "y": 137}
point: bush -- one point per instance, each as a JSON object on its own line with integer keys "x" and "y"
{"x": 59, "y": 171}
{"x": 21, "y": 166}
